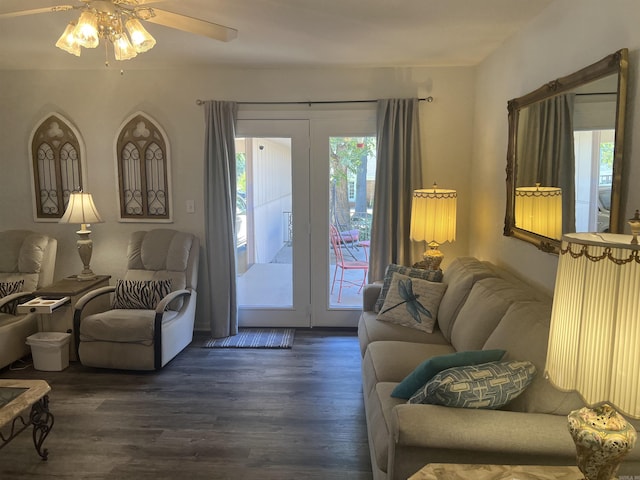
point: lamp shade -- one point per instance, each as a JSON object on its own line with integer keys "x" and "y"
{"x": 433, "y": 215}
{"x": 81, "y": 210}
{"x": 539, "y": 210}
{"x": 594, "y": 339}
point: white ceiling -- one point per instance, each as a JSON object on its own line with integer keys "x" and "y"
{"x": 287, "y": 33}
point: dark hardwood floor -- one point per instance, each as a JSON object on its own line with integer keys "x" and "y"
{"x": 210, "y": 414}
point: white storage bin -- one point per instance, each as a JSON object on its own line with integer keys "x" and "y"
{"x": 50, "y": 350}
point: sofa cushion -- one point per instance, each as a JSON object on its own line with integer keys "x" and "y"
{"x": 460, "y": 276}
{"x": 370, "y": 329}
{"x": 392, "y": 361}
{"x": 485, "y": 306}
{"x": 524, "y": 332}
{"x": 121, "y": 325}
{"x": 489, "y": 385}
{"x": 430, "y": 275}
{"x": 140, "y": 294}
{"x": 430, "y": 367}
{"x": 412, "y": 302}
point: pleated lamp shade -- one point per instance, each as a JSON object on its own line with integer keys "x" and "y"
{"x": 539, "y": 210}
{"x": 594, "y": 339}
{"x": 433, "y": 215}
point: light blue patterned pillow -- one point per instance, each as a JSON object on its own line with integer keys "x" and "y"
{"x": 430, "y": 275}
{"x": 140, "y": 294}
{"x": 489, "y": 385}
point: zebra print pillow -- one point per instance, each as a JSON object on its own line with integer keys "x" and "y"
{"x": 6, "y": 289}
{"x": 140, "y": 294}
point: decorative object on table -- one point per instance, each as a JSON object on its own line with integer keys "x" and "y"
{"x": 539, "y": 210}
{"x": 433, "y": 220}
{"x": 255, "y": 338}
{"x": 82, "y": 210}
{"x": 108, "y": 19}
{"x": 593, "y": 345}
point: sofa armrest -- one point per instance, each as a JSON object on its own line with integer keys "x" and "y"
{"x": 484, "y": 434}
{"x": 370, "y": 294}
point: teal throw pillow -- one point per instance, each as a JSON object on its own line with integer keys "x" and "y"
{"x": 430, "y": 275}
{"x": 488, "y": 385}
{"x": 430, "y": 367}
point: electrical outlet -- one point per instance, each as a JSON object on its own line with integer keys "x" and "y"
{"x": 191, "y": 206}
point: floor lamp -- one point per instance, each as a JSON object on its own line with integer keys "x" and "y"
{"x": 82, "y": 210}
{"x": 433, "y": 220}
{"x": 594, "y": 345}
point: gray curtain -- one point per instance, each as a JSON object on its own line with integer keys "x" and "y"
{"x": 545, "y": 152}
{"x": 398, "y": 174}
{"x": 220, "y": 217}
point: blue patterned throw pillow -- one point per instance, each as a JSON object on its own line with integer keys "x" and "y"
{"x": 430, "y": 367}
{"x": 140, "y": 294}
{"x": 430, "y": 275}
{"x": 489, "y": 385}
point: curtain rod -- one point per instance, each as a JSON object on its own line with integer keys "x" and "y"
{"x": 426, "y": 99}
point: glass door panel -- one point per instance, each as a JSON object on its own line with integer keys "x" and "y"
{"x": 272, "y": 159}
{"x": 343, "y": 175}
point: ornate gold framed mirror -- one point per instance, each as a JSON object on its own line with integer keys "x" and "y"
{"x": 565, "y": 155}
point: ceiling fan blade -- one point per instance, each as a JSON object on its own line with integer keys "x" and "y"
{"x": 20, "y": 13}
{"x": 193, "y": 25}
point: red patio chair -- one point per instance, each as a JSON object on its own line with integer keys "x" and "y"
{"x": 343, "y": 264}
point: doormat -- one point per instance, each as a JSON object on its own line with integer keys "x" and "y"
{"x": 255, "y": 338}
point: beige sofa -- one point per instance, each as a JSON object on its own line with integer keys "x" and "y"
{"x": 29, "y": 257}
{"x": 484, "y": 307}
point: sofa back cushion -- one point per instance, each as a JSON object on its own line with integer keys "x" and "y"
{"x": 485, "y": 306}
{"x": 459, "y": 276}
{"x": 524, "y": 332}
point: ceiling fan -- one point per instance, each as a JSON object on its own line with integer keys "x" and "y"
{"x": 111, "y": 20}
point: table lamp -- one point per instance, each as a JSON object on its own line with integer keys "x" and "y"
{"x": 82, "y": 210}
{"x": 594, "y": 345}
{"x": 539, "y": 210}
{"x": 433, "y": 220}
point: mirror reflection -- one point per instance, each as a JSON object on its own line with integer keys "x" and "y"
{"x": 565, "y": 150}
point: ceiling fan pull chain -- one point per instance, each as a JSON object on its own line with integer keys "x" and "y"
{"x": 106, "y": 54}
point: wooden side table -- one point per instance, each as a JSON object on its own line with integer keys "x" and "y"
{"x": 453, "y": 471}
{"x": 61, "y": 319}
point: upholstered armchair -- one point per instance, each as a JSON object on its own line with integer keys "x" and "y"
{"x": 27, "y": 262}
{"x": 153, "y": 305}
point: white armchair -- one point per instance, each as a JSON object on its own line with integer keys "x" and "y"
{"x": 146, "y": 328}
{"x": 30, "y": 258}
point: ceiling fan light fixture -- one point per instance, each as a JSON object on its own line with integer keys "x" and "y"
{"x": 86, "y": 32}
{"x": 122, "y": 48}
{"x": 141, "y": 39}
{"x": 67, "y": 40}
